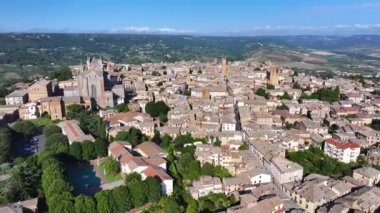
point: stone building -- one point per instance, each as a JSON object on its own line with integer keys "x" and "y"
{"x": 53, "y": 106}
{"x": 40, "y": 89}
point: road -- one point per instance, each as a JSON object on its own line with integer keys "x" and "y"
{"x": 26, "y": 146}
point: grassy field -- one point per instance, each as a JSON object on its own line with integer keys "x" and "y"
{"x": 42, "y": 121}
{"x": 109, "y": 178}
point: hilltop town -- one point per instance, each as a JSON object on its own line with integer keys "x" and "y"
{"x": 190, "y": 136}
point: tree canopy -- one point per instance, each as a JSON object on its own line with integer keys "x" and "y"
{"x": 324, "y": 94}
{"x": 62, "y": 74}
{"x": 122, "y": 107}
{"x": 5, "y": 144}
{"x": 57, "y": 143}
{"x": 112, "y": 166}
{"x": 261, "y": 92}
{"x": 26, "y": 128}
{"x": 51, "y": 129}
{"x": 156, "y": 108}
{"x": 133, "y": 136}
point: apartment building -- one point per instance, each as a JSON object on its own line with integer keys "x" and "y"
{"x": 345, "y": 152}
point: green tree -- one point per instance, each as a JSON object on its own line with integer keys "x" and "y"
{"x": 156, "y": 108}
{"x": 57, "y": 143}
{"x": 188, "y": 167}
{"x": 25, "y": 180}
{"x": 88, "y": 150}
{"x": 134, "y": 136}
{"x": 163, "y": 118}
{"x": 101, "y": 128}
{"x": 122, "y": 197}
{"x": 270, "y": 86}
{"x": 51, "y": 129}
{"x": 261, "y": 92}
{"x": 76, "y": 150}
{"x": 217, "y": 142}
{"x": 105, "y": 202}
{"x": 62, "y": 74}
{"x": 150, "y": 108}
{"x": 153, "y": 187}
{"x": 243, "y": 147}
{"x": 62, "y": 203}
{"x": 58, "y": 186}
{"x": 131, "y": 178}
{"x": 111, "y": 166}
{"x": 169, "y": 205}
{"x": 135, "y": 185}
{"x": 84, "y": 204}
{"x": 74, "y": 111}
{"x": 165, "y": 141}
{"x": 181, "y": 140}
{"x": 207, "y": 169}
{"x": 101, "y": 147}
{"x": 286, "y": 96}
{"x": 221, "y": 172}
{"x": 26, "y": 128}
{"x": 122, "y": 107}
{"x": 160, "y": 83}
{"x": 5, "y": 144}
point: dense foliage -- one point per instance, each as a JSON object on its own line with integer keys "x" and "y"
{"x": 261, "y": 92}
{"x": 133, "y": 136}
{"x": 57, "y": 143}
{"x": 26, "y": 128}
{"x": 375, "y": 125}
{"x": 58, "y": 190}
{"x": 112, "y": 167}
{"x": 158, "y": 108}
{"x": 314, "y": 160}
{"x": 216, "y": 171}
{"x": 285, "y": 96}
{"x": 62, "y": 74}
{"x": 5, "y": 145}
{"x": 325, "y": 94}
{"x": 24, "y": 183}
{"x": 89, "y": 121}
{"x": 215, "y": 202}
{"x": 122, "y": 107}
{"x": 51, "y": 129}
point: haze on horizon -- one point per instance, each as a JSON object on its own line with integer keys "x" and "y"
{"x": 195, "y": 17}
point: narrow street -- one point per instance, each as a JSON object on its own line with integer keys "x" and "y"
{"x": 236, "y": 109}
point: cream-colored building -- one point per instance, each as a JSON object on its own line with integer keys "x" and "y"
{"x": 367, "y": 175}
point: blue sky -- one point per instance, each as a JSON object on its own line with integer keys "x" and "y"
{"x": 204, "y": 17}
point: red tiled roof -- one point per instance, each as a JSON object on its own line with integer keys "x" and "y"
{"x": 341, "y": 145}
{"x": 117, "y": 149}
{"x": 153, "y": 171}
{"x": 73, "y": 130}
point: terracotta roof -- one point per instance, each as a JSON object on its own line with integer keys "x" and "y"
{"x": 151, "y": 149}
{"x": 117, "y": 149}
{"x": 154, "y": 171}
{"x": 341, "y": 145}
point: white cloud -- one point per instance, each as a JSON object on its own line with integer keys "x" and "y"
{"x": 149, "y": 30}
{"x": 316, "y": 28}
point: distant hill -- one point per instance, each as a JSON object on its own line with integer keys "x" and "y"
{"x": 44, "y": 49}
{"x": 23, "y": 55}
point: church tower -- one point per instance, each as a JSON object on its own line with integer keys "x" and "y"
{"x": 273, "y": 76}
